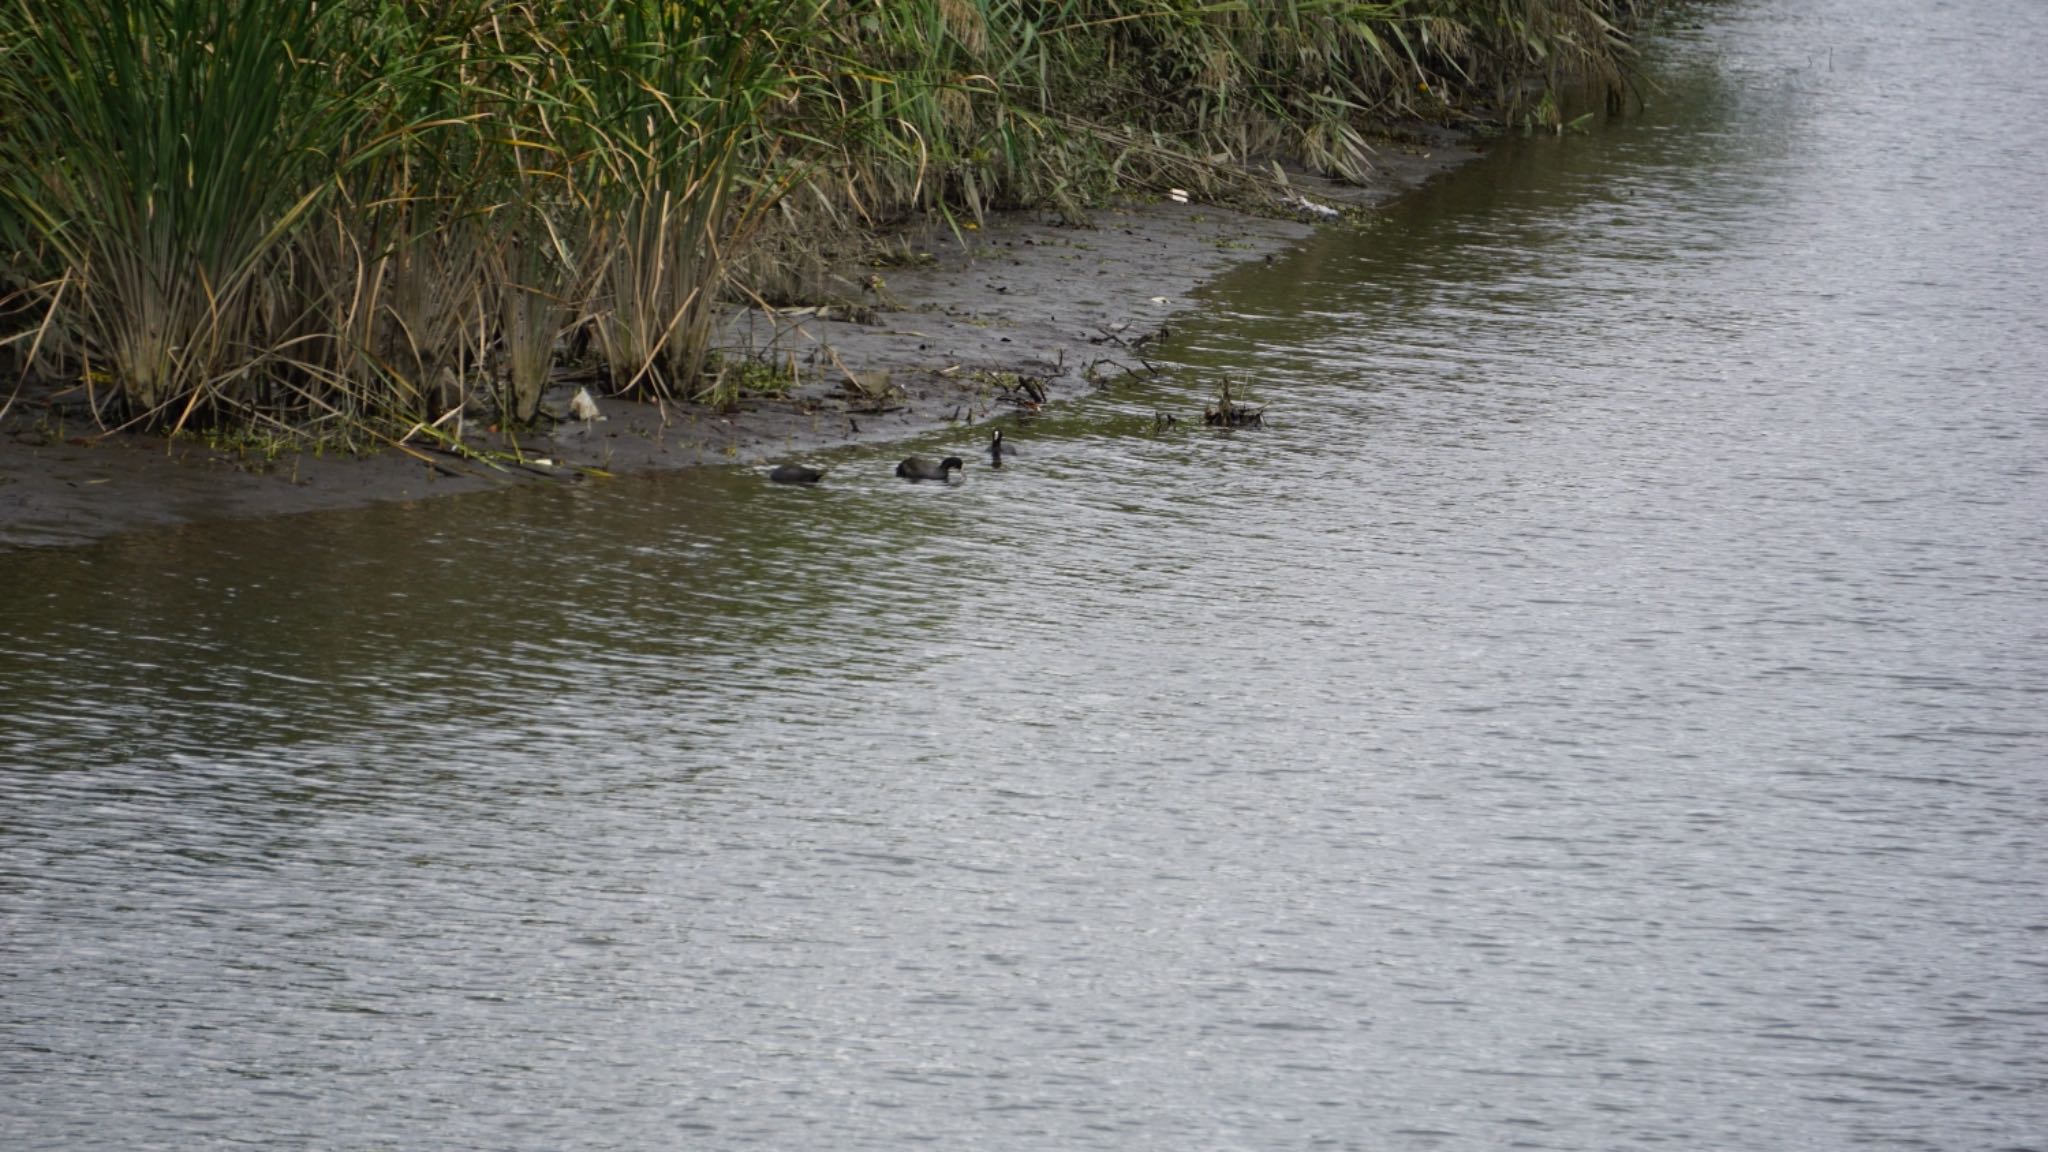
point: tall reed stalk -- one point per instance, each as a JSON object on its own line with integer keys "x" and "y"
{"x": 664, "y": 100}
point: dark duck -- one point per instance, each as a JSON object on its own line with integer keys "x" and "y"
{"x": 919, "y": 468}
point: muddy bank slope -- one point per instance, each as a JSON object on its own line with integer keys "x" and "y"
{"x": 1027, "y": 306}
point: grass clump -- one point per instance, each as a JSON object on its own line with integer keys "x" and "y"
{"x": 373, "y": 213}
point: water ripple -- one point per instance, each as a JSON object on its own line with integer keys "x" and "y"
{"x": 1601, "y": 709}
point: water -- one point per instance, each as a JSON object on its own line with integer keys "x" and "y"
{"x": 1605, "y": 709}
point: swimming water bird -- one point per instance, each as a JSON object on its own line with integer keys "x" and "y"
{"x": 996, "y": 448}
{"x": 919, "y": 468}
{"x": 796, "y": 474}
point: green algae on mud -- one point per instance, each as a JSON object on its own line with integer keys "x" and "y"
{"x": 1028, "y": 297}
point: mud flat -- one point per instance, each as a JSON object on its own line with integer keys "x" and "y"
{"x": 960, "y": 332}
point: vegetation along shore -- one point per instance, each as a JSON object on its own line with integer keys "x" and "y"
{"x": 245, "y": 245}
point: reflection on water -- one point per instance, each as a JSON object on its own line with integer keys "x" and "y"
{"x": 1603, "y": 710}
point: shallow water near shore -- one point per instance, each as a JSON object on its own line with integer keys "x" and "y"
{"x": 1604, "y": 708}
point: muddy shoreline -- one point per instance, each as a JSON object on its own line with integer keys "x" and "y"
{"x": 961, "y": 334}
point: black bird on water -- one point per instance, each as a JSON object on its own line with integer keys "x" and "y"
{"x": 796, "y": 474}
{"x": 919, "y": 468}
{"x": 996, "y": 448}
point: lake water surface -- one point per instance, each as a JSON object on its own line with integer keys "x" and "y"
{"x": 1605, "y": 709}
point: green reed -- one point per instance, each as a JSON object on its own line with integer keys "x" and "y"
{"x": 387, "y": 213}
{"x": 154, "y": 156}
